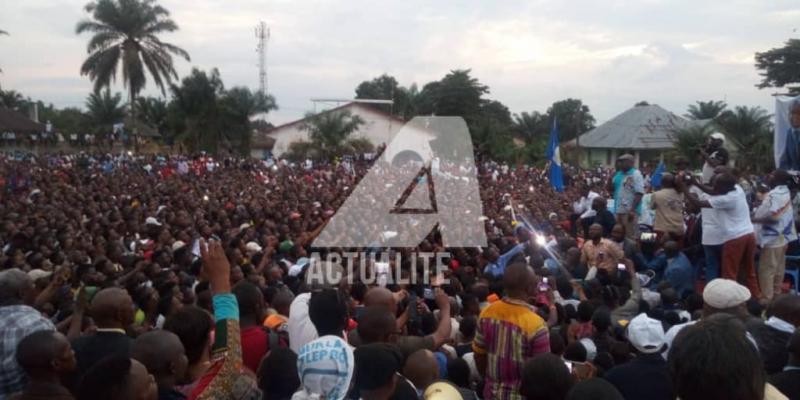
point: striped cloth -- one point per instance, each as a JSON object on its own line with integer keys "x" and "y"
{"x": 509, "y": 332}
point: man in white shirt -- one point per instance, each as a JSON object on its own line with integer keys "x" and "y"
{"x": 774, "y": 220}
{"x": 737, "y": 233}
{"x": 583, "y": 207}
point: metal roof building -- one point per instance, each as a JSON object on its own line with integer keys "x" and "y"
{"x": 644, "y": 130}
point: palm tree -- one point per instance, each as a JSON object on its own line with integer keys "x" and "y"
{"x": 751, "y": 129}
{"x": 688, "y": 141}
{"x": 530, "y": 125}
{"x": 105, "y": 110}
{"x": 238, "y": 105}
{"x": 711, "y": 109}
{"x": 330, "y": 130}
{"x": 12, "y": 99}
{"x": 125, "y": 34}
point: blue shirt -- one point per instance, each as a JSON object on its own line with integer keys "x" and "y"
{"x": 498, "y": 267}
{"x": 677, "y": 271}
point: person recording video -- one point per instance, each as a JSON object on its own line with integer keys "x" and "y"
{"x": 714, "y": 155}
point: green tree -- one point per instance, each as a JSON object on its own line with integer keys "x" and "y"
{"x": 751, "y": 129}
{"x": 711, "y": 110}
{"x": 154, "y": 112}
{"x": 780, "y": 67}
{"x": 385, "y": 87}
{"x": 574, "y": 118}
{"x": 13, "y": 100}
{"x": 238, "y": 105}
{"x": 687, "y": 143}
{"x": 329, "y": 131}
{"x": 457, "y": 94}
{"x": 125, "y": 33}
{"x": 531, "y": 125}
{"x": 104, "y": 110}
{"x": 195, "y": 109}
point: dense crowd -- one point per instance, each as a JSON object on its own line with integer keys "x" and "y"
{"x": 144, "y": 277}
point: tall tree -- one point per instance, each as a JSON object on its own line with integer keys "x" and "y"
{"x": 385, "y": 87}
{"x": 125, "y": 35}
{"x": 687, "y": 143}
{"x": 531, "y": 125}
{"x": 751, "y": 129}
{"x": 711, "y": 109}
{"x": 154, "y": 112}
{"x": 780, "y": 67}
{"x": 238, "y": 105}
{"x": 13, "y": 100}
{"x": 574, "y": 118}
{"x": 104, "y": 110}
{"x": 195, "y": 104}
{"x": 457, "y": 94}
{"x": 330, "y": 130}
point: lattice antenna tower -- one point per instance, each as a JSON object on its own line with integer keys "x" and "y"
{"x": 262, "y": 34}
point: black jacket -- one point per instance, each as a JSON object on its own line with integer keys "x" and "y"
{"x": 645, "y": 377}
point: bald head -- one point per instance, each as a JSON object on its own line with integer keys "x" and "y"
{"x": 516, "y": 279}
{"x": 376, "y": 324}
{"x": 16, "y": 287}
{"x": 162, "y": 353}
{"x": 112, "y": 308}
{"x": 381, "y": 297}
{"x": 421, "y": 369}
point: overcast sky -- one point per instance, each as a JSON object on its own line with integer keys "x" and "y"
{"x": 609, "y": 53}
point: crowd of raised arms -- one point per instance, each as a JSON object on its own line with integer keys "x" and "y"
{"x": 166, "y": 277}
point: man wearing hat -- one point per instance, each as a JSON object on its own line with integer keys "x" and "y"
{"x": 714, "y": 155}
{"x": 627, "y": 185}
{"x": 719, "y": 296}
{"x": 645, "y": 376}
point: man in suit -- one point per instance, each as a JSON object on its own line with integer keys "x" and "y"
{"x": 788, "y": 381}
{"x": 790, "y": 159}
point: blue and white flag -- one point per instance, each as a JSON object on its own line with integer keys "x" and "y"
{"x": 655, "y": 180}
{"x": 554, "y": 155}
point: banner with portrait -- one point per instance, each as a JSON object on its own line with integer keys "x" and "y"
{"x": 786, "y": 144}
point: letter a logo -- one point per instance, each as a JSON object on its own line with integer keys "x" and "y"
{"x": 426, "y": 177}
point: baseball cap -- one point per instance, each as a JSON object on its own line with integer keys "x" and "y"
{"x": 625, "y": 157}
{"x": 725, "y": 293}
{"x": 152, "y": 221}
{"x": 36, "y": 274}
{"x": 297, "y": 268}
{"x": 442, "y": 391}
{"x": 718, "y": 136}
{"x": 177, "y": 245}
{"x": 253, "y": 246}
{"x": 646, "y": 334}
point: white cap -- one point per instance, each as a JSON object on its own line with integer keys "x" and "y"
{"x": 718, "y": 136}
{"x": 253, "y": 246}
{"x": 179, "y": 244}
{"x": 244, "y": 226}
{"x": 646, "y": 334}
{"x": 297, "y": 268}
{"x": 36, "y": 274}
{"x": 725, "y": 293}
{"x": 152, "y": 221}
{"x": 591, "y": 348}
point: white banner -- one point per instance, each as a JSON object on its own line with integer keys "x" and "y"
{"x": 787, "y": 135}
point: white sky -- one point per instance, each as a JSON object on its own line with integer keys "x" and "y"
{"x": 609, "y": 53}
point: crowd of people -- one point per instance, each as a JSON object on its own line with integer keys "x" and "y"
{"x": 172, "y": 277}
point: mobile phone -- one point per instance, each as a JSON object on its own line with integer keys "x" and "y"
{"x": 621, "y": 267}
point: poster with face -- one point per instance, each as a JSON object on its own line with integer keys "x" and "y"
{"x": 787, "y": 133}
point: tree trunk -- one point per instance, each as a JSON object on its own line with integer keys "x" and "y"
{"x": 134, "y": 125}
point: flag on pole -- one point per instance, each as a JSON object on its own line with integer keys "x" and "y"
{"x": 655, "y": 180}
{"x": 554, "y": 155}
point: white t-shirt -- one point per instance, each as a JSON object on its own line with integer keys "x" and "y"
{"x": 778, "y": 205}
{"x": 712, "y": 230}
{"x": 734, "y": 213}
{"x": 301, "y": 329}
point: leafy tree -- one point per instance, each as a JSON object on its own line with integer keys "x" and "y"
{"x": 13, "y": 100}
{"x": 751, "y": 129}
{"x": 329, "y": 131}
{"x": 68, "y": 120}
{"x": 104, "y": 110}
{"x": 531, "y": 125}
{"x": 780, "y": 67}
{"x": 457, "y": 94}
{"x": 154, "y": 112}
{"x": 574, "y": 118}
{"x": 238, "y": 105}
{"x": 687, "y": 143}
{"x": 385, "y": 87}
{"x": 125, "y": 35}
{"x": 195, "y": 109}
{"x": 711, "y": 110}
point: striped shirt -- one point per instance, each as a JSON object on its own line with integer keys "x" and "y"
{"x": 509, "y": 332}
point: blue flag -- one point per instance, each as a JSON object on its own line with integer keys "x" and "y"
{"x": 554, "y": 155}
{"x": 655, "y": 180}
